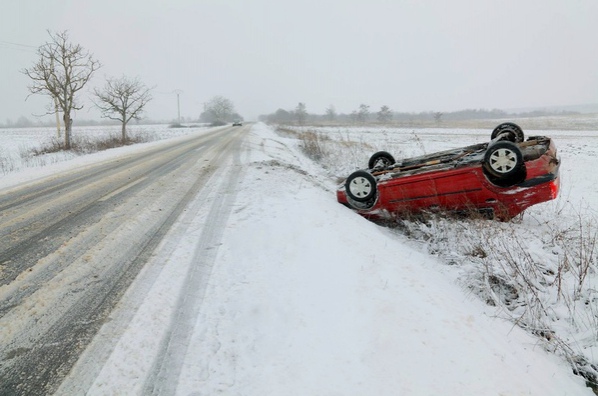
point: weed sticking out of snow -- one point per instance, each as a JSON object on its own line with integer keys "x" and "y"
{"x": 542, "y": 277}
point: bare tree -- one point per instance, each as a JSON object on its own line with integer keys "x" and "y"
{"x": 218, "y": 111}
{"x": 122, "y": 99}
{"x": 281, "y": 116}
{"x": 384, "y": 115}
{"x": 301, "y": 113}
{"x": 438, "y": 117}
{"x": 363, "y": 114}
{"x": 62, "y": 70}
{"x": 331, "y": 113}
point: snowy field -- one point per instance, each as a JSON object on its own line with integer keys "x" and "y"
{"x": 17, "y": 144}
{"x": 308, "y": 298}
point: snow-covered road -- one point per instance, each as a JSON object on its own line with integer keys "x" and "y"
{"x": 74, "y": 242}
{"x": 264, "y": 285}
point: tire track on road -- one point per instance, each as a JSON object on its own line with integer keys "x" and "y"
{"x": 30, "y": 252}
{"x": 164, "y": 375}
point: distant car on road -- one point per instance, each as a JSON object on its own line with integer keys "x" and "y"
{"x": 237, "y": 123}
{"x": 499, "y": 179}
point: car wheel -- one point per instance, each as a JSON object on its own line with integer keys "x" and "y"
{"x": 381, "y": 159}
{"x": 510, "y": 131}
{"x": 361, "y": 186}
{"x": 503, "y": 159}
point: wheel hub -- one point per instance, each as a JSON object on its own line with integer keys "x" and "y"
{"x": 360, "y": 187}
{"x": 503, "y": 160}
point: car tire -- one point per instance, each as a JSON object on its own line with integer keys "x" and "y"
{"x": 512, "y": 132}
{"x": 381, "y": 159}
{"x": 360, "y": 186}
{"x": 503, "y": 160}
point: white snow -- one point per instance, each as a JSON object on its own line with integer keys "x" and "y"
{"x": 308, "y": 298}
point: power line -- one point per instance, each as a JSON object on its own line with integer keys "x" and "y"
{"x": 17, "y": 46}
{"x": 18, "y": 49}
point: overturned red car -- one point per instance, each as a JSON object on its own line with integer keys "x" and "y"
{"x": 499, "y": 179}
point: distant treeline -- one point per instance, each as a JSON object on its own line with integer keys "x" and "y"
{"x": 300, "y": 115}
{"x": 385, "y": 115}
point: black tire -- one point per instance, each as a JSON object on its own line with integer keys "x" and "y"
{"x": 360, "y": 186}
{"x": 503, "y": 160}
{"x": 381, "y": 159}
{"x": 509, "y": 131}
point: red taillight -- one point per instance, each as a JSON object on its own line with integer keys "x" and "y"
{"x": 554, "y": 188}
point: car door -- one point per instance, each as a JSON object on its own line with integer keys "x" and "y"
{"x": 459, "y": 188}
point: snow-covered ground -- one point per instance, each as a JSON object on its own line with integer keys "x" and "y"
{"x": 308, "y": 298}
{"x": 19, "y": 143}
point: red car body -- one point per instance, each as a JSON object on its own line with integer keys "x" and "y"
{"x": 459, "y": 181}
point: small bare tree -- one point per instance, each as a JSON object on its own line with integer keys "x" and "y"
{"x": 122, "y": 99}
{"x": 62, "y": 70}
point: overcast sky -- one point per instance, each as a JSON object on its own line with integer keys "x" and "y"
{"x": 411, "y": 55}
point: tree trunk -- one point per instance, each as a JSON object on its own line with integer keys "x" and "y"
{"x": 124, "y": 133}
{"x": 67, "y": 131}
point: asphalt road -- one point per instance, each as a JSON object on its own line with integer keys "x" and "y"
{"x": 71, "y": 244}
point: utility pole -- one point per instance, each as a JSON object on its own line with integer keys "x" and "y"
{"x": 178, "y": 104}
